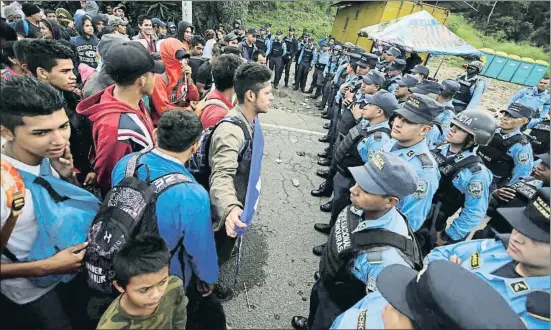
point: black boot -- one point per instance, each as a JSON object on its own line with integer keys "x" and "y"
{"x": 318, "y": 250}
{"x": 323, "y": 228}
{"x": 322, "y": 191}
{"x": 327, "y": 125}
{"x": 324, "y": 139}
{"x": 324, "y": 162}
{"x": 324, "y": 115}
{"x": 326, "y": 207}
{"x": 299, "y": 323}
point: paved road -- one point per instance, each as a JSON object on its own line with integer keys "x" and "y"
{"x": 277, "y": 262}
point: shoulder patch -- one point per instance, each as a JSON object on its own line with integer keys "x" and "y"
{"x": 422, "y": 189}
{"x": 475, "y": 260}
{"x": 362, "y": 320}
{"x": 523, "y": 158}
{"x": 519, "y": 286}
{"x": 425, "y": 160}
{"x": 475, "y": 188}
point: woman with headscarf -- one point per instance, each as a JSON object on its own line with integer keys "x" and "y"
{"x": 52, "y": 31}
{"x": 66, "y": 20}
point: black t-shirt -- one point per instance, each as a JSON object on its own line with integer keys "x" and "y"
{"x": 204, "y": 75}
{"x": 195, "y": 62}
{"x": 32, "y": 31}
{"x": 507, "y": 270}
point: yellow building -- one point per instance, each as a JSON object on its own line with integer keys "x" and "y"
{"x": 355, "y": 15}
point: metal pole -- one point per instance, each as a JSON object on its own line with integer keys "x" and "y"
{"x": 439, "y": 65}
{"x": 187, "y": 12}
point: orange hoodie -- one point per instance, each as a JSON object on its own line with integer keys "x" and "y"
{"x": 163, "y": 92}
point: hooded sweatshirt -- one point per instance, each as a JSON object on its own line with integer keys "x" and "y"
{"x": 117, "y": 130}
{"x": 58, "y": 33}
{"x": 167, "y": 94}
{"x": 86, "y": 46}
{"x": 182, "y": 26}
{"x": 64, "y": 18}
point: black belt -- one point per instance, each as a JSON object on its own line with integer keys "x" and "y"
{"x": 320, "y": 66}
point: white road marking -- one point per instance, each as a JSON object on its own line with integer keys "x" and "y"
{"x": 293, "y": 129}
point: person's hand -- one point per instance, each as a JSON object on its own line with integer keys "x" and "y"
{"x": 67, "y": 261}
{"x": 505, "y": 193}
{"x": 349, "y": 95}
{"x": 90, "y": 179}
{"x": 186, "y": 69}
{"x": 357, "y": 112}
{"x": 455, "y": 260}
{"x": 233, "y": 220}
{"x": 64, "y": 164}
{"x": 347, "y": 102}
{"x": 439, "y": 240}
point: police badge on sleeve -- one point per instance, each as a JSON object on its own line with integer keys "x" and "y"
{"x": 422, "y": 189}
{"x": 475, "y": 188}
{"x": 523, "y": 158}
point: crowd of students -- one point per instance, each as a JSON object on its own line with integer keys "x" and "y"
{"x": 109, "y": 128}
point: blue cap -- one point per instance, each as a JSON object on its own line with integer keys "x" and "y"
{"x": 397, "y": 64}
{"x": 446, "y": 296}
{"x": 517, "y": 110}
{"x": 394, "y": 51}
{"x": 386, "y": 175}
{"x": 545, "y": 158}
{"x": 421, "y": 69}
{"x": 420, "y": 109}
{"x": 158, "y": 22}
{"x": 531, "y": 221}
{"x": 368, "y": 60}
{"x": 427, "y": 87}
{"x": 384, "y": 100}
{"x": 407, "y": 80}
{"x": 374, "y": 77}
{"x": 450, "y": 86}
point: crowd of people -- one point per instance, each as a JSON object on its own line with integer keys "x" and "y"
{"x": 148, "y": 142}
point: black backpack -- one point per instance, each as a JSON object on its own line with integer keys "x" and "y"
{"x": 199, "y": 166}
{"x": 127, "y": 210}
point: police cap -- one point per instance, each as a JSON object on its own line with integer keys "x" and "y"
{"x": 427, "y": 87}
{"x": 428, "y": 299}
{"x": 517, "y": 110}
{"x": 268, "y": 25}
{"x": 407, "y": 80}
{"x": 291, "y": 29}
{"x": 421, "y": 69}
{"x": 450, "y": 86}
{"x": 279, "y": 32}
{"x": 230, "y": 37}
{"x": 348, "y": 45}
{"x": 420, "y": 109}
{"x": 531, "y": 221}
{"x": 384, "y": 100}
{"x": 374, "y": 77}
{"x": 252, "y": 31}
{"x": 368, "y": 60}
{"x": 545, "y": 159}
{"x": 397, "y": 64}
{"x": 386, "y": 174}
{"x": 393, "y": 51}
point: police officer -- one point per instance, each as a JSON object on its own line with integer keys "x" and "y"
{"x": 260, "y": 40}
{"x": 302, "y": 41}
{"x": 372, "y": 131}
{"x": 537, "y": 98}
{"x": 236, "y": 25}
{"x": 464, "y": 180}
{"x": 421, "y": 72}
{"x": 329, "y": 74}
{"x": 472, "y": 87}
{"x": 426, "y": 300}
{"x": 241, "y": 36}
{"x": 427, "y": 87}
{"x": 276, "y": 52}
{"x": 291, "y": 43}
{"x": 387, "y": 57}
{"x": 539, "y": 136}
{"x": 447, "y": 91}
{"x": 269, "y": 34}
{"x": 340, "y": 55}
{"x": 319, "y": 67}
{"x": 517, "y": 195}
{"x": 393, "y": 73}
{"x": 517, "y": 266}
{"x": 403, "y": 91}
{"x": 368, "y": 236}
{"x": 412, "y": 123}
{"x": 306, "y": 61}
{"x": 509, "y": 155}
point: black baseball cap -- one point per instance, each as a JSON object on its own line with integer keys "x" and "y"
{"x": 420, "y": 109}
{"x": 132, "y": 59}
{"x": 531, "y": 221}
{"x": 252, "y": 31}
{"x": 421, "y": 69}
{"x": 431, "y": 301}
{"x": 373, "y": 77}
{"x": 397, "y": 64}
{"x": 427, "y": 87}
{"x": 368, "y": 60}
{"x": 517, "y": 110}
{"x": 407, "y": 80}
{"x": 384, "y": 100}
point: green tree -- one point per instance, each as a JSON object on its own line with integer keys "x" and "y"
{"x": 208, "y": 14}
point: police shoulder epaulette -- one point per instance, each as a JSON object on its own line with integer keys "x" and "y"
{"x": 425, "y": 160}
{"x": 537, "y": 305}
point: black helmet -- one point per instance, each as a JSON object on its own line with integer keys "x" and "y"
{"x": 477, "y": 122}
{"x": 291, "y": 29}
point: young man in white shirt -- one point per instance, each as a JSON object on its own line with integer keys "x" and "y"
{"x": 34, "y": 126}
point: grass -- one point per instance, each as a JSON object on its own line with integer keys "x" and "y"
{"x": 460, "y": 26}
{"x": 302, "y": 14}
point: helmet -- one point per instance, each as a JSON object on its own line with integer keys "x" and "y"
{"x": 338, "y": 48}
{"x": 477, "y": 122}
{"x": 477, "y": 64}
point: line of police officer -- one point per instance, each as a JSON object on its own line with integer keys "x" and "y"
{"x": 406, "y": 168}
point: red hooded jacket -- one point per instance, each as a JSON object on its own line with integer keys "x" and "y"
{"x": 163, "y": 92}
{"x": 117, "y": 130}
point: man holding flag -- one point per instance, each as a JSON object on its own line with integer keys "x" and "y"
{"x": 235, "y": 157}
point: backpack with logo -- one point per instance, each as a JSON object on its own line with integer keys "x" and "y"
{"x": 64, "y": 213}
{"x": 127, "y": 210}
{"x": 199, "y": 166}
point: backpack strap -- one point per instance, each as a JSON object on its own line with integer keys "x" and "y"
{"x": 134, "y": 163}
{"x": 162, "y": 183}
{"x": 518, "y": 138}
{"x": 216, "y": 102}
{"x": 236, "y": 121}
{"x": 14, "y": 186}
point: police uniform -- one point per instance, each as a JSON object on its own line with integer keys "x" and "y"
{"x": 408, "y": 81}
{"x": 382, "y": 66}
{"x": 429, "y": 301}
{"x": 277, "y": 51}
{"x": 509, "y": 156}
{"x": 292, "y": 49}
{"x": 491, "y": 262}
{"x": 306, "y": 61}
{"x": 370, "y": 244}
{"x": 437, "y": 134}
{"x": 319, "y": 68}
{"x": 392, "y": 81}
{"x": 533, "y": 98}
{"x": 539, "y": 137}
{"x": 420, "y": 109}
{"x": 328, "y": 73}
{"x": 471, "y": 89}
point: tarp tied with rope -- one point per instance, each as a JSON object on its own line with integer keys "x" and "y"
{"x": 422, "y": 33}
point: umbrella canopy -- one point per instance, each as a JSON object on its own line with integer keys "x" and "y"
{"x": 420, "y": 32}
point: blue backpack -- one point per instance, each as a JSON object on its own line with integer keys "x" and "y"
{"x": 64, "y": 213}
{"x": 25, "y": 26}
